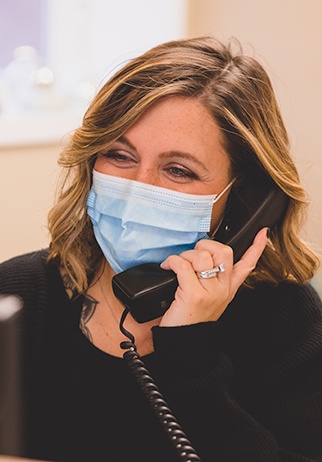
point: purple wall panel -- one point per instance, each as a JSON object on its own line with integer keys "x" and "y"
{"x": 20, "y": 24}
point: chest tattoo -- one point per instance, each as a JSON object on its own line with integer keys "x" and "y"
{"x": 88, "y": 309}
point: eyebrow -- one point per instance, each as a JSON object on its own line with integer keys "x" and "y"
{"x": 169, "y": 154}
{"x": 124, "y": 140}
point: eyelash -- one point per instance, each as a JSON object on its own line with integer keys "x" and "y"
{"x": 116, "y": 155}
{"x": 177, "y": 172}
{"x": 184, "y": 173}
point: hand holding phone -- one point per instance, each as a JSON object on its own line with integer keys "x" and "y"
{"x": 204, "y": 300}
{"x": 148, "y": 291}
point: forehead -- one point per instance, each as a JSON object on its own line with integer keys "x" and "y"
{"x": 178, "y": 118}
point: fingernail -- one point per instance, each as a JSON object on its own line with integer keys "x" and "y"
{"x": 268, "y": 233}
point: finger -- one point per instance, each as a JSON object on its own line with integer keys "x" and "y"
{"x": 199, "y": 259}
{"x": 221, "y": 254}
{"x": 185, "y": 272}
{"x": 208, "y": 255}
{"x": 249, "y": 260}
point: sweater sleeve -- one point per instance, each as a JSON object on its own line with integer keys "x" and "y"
{"x": 248, "y": 387}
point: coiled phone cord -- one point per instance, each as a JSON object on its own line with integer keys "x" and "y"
{"x": 151, "y": 391}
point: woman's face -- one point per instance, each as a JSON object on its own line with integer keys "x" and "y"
{"x": 176, "y": 144}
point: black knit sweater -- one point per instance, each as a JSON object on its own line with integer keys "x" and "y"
{"x": 245, "y": 388}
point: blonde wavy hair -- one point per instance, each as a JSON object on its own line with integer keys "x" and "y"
{"x": 237, "y": 91}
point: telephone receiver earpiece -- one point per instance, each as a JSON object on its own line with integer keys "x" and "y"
{"x": 244, "y": 218}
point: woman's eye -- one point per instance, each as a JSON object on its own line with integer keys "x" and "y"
{"x": 182, "y": 173}
{"x": 117, "y": 156}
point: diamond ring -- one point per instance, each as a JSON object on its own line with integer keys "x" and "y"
{"x": 211, "y": 273}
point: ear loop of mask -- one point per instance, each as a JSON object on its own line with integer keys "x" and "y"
{"x": 216, "y": 200}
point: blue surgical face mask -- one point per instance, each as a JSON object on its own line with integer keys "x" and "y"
{"x": 138, "y": 223}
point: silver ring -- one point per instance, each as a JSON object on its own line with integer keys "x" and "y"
{"x": 211, "y": 273}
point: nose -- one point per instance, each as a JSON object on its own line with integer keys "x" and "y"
{"x": 146, "y": 175}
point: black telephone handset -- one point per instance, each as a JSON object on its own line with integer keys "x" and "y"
{"x": 147, "y": 290}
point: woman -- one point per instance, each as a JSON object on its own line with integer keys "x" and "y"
{"x": 238, "y": 354}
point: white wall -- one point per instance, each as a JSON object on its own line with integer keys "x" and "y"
{"x": 286, "y": 36}
{"x": 87, "y": 39}
{"x": 27, "y": 184}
